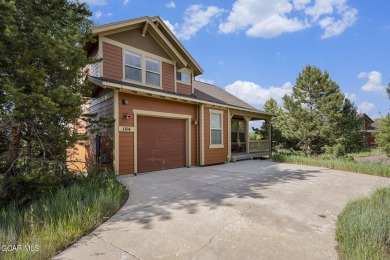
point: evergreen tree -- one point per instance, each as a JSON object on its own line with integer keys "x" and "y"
{"x": 313, "y": 110}
{"x": 41, "y": 87}
{"x": 382, "y": 137}
{"x": 278, "y": 125}
{"x": 350, "y": 138}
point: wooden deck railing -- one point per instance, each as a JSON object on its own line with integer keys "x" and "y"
{"x": 259, "y": 145}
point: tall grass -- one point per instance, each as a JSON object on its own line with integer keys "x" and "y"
{"x": 338, "y": 164}
{"x": 363, "y": 228}
{"x": 370, "y": 152}
{"x": 52, "y": 223}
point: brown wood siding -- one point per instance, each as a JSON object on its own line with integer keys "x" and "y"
{"x": 93, "y": 69}
{"x": 126, "y": 140}
{"x": 160, "y": 148}
{"x": 134, "y": 38}
{"x": 184, "y": 89}
{"x": 112, "y": 62}
{"x": 103, "y": 106}
{"x": 168, "y": 77}
{"x": 215, "y": 155}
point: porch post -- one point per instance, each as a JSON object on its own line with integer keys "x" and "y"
{"x": 247, "y": 119}
{"x": 270, "y": 136}
{"x": 229, "y": 133}
{"x": 201, "y": 137}
{"x": 116, "y": 132}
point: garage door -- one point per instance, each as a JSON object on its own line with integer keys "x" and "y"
{"x": 161, "y": 143}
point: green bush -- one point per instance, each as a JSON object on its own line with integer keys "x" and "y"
{"x": 54, "y": 222}
{"x": 363, "y": 228}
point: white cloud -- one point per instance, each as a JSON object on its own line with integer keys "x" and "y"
{"x": 125, "y": 2}
{"x": 374, "y": 82}
{"x": 95, "y": 2}
{"x": 267, "y": 19}
{"x": 333, "y": 27}
{"x": 366, "y": 107}
{"x": 171, "y": 4}
{"x": 208, "y": 81}
{"x": 300, "y": 4}
{"x": 262, "y": 18}
{"x": 256, "y": 95}
{"x": 195, "y": 18}
{"x": 98, "y": 14}
{"x": 351, "y": 97}
{"x": 171, "y": 26}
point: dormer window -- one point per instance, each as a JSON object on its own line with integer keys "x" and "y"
{"x": 183, "y": 77}
{"x": 133, "y": 68}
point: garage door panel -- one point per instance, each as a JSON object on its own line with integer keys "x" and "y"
{"x": 161, "y": 143}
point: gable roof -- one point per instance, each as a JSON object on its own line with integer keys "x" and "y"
{"x": 156, "y": 27}
{"x": 366, "y": 118}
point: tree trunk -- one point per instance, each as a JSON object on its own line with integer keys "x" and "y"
{"x": 13, "y": 149}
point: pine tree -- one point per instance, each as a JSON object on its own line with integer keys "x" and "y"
{"x": 349, "y": 135}
{"x": 278, "y": 125}
{"x": 382, "y": 137}
{"x": 41, "y": 56}
{"x": 313, "y": 110}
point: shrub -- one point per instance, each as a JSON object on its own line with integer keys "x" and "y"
{"x": 55, "y": 221}
{"x": 363, "y": 228}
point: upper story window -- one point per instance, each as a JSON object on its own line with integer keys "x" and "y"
{"x": 152, "y": 72}
{"x": 133, "y": 66}
{"x": 182, "y": 76}
{"x": 142, "y": 69}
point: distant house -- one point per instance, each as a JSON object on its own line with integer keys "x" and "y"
{"x": 163, "y": 117}
{"x": 368, "y": 129}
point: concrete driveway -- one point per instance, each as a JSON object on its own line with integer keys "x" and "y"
{"x": 248, "y": 210}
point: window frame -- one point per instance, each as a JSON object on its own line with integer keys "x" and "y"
{"x": 182, "y": 81}
{"x": 132, "y": 66}
{"x": 219, "y": 112}
{"x": 153, "y": 72}
{"x": 144, "y": 57}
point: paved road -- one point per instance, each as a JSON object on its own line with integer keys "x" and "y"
{"x": 249, "y": 210}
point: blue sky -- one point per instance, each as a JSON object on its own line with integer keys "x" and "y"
{"x": 255, "y": 49}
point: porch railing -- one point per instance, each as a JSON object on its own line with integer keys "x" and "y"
{"x": 259, "y": 145}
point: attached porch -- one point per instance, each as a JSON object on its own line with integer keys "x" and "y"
{"x": 245, "y": 143}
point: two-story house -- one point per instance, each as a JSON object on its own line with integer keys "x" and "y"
{"x": 163, "y": 117}
{"x": 368, "y": 130}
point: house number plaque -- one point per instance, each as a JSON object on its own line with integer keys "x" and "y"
{"x": 126, "y": 129}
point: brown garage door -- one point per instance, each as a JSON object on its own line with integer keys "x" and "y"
{"x": 161, "y": 143}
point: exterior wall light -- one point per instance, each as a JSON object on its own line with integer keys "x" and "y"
{"x": 195, "y": 121}
{"x": 127, "y": 116}
{"x": 125, "y": 101}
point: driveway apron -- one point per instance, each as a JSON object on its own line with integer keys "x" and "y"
{"x": 255, "y": 209}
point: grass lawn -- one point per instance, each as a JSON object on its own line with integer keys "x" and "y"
{"x": 363, "y": 228}
{"x": 51, "y": 224}
{"x": 337, "y": 164}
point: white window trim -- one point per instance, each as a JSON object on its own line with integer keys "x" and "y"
{"x": 124, "y": 65}
{"x": 157, "y": 73}
{"x": 212, "y": 111}
{"x": 144, "y": 56}
{"x": 186, "y": 71}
